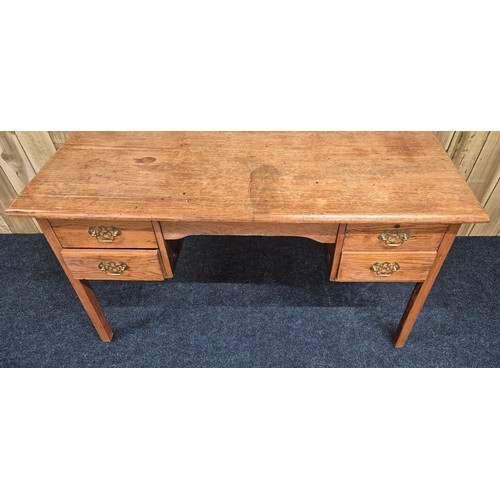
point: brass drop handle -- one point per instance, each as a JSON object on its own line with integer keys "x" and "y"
{"x": 394, "y": 238}
{"x": 104, "y": 234}
{"x": 113, "y": 268}
{"x": 385, "y": 269}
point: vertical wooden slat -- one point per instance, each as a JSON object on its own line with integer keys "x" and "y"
{"x": 4, "y": 228}
{"x": 7, "y": 194}
{"x": 444, "y": 138}
{"x": 19, "y": 171}
{"x": 493, "y": 208}
{"x": 486, "y": 171}
{"x": 38, "y": 147}
{"x": 465, "y": 229}
{"x": 58, "y": 138}
{"x": 465, "y": 149}
{"x": 14, "y": 162}
{"x": 485, "y": 174}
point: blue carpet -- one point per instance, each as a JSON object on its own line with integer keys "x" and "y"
{"x": 248, "y": 302}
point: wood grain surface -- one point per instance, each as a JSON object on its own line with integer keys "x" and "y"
{"x": 285, "y": 177}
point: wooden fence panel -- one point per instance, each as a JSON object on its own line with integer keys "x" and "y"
{"x": 14, "y": 162}
{"x": 445, "y": 138}
{"x": 483, "y": 179}
{"x": 58, "y": 138}
{"x": 3, "y": 226}
{"x": 7, "y": 195}
{"x": 464, "y": 150}
{"x": 492, "y": 206}
{"x": 38, "y": 146}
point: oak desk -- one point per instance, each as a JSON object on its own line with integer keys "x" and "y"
{"x": 116, "y": 205}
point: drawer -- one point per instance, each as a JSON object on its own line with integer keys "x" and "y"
{"x": 385, "y": 266}
{"x": 104, "y": 234}
{"x": 394, "y": 237}
{"x": 114, "y": 264}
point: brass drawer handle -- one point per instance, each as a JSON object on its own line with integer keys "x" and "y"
{"x": 104, "y": 234}
{"x": 385, "y": 268}
{"x": 113, "y": 268}
{"x": 394, "y": 238}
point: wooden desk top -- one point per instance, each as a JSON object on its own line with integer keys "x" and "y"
{"x": 339, "y": 177}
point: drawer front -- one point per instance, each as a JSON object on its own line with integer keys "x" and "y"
{"x": 114, "y": 264}
{"x": 385, "y": 266}
{"x": 394, "y": 237}
{"x": 104, "y": 234}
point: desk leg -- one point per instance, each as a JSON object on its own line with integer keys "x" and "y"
{"x": 421, "y": 290}
{"x": 169, "y": 251}
{"x": 334, "y": 260}
{"x": 81, "y": 287}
